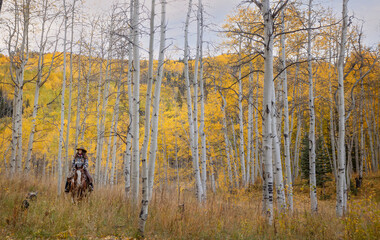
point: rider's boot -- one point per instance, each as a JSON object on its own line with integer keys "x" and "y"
{"x": 91, "y": 187}
{"x": 67, "y": 187}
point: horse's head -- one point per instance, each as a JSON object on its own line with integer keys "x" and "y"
{"x": 79, "y": 177}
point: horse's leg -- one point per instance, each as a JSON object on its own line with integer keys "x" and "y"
{"x": 72, "y": 196}
{"x": 72, "y": 190}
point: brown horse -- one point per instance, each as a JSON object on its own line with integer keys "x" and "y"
{"x": 78, "y": 186}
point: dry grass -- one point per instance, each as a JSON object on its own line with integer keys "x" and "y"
{"x": 225, "y": 216}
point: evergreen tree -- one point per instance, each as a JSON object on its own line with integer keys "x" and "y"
{"x": 323, "y": 167}
{"x": 5, "y": 105}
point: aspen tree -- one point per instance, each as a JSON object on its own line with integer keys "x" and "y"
{"x": 102, "y": 113}
{"x": 40, "y": 79}
{"x": 287, "y": 135}
{"x": 148, "y": 175}
{"x": 202, "y": 100}
{"x": 199, "y": 188}
{"x": 128, "y": 153}
{"x": 70, "y": 90}
{"x": 135, "y": 102}
{"x": 18, "y": 49}
{"x": 312, "y": 144}
{"x": 277, "y": 171}
{"x": 258, "y": 169}
{"x": 213, "y": 185}
{"x": 332, "y": 127}
{"x": 234, "y": 153}
{"x": 79, "y": 90}
{"x": 106, "y": 176}
{"x": 144, "y": 148}
{"x": 341, "y": 203}
{"x": 268, "y": 104}
{"x": 362, "y": 141}
{"x": 116, "y": 112}
{"x": 98, "y": 110}
{"x": 59, "y": 160}
{"x": 250, "y": 154}
{"x": 241, "y": 125}
{"x": 94, "y": 22}
{"x": 201, "y": 192}
{"x": 296, "y": 168}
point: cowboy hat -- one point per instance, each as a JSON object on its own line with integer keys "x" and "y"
{"x": 82, "y": 148}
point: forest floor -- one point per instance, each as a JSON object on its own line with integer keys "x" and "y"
{"x": 107, "y": 214}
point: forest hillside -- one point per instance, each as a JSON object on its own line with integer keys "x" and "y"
{"x": 273, "y": 132}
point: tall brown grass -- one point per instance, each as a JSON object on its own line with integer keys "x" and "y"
{"x": 108, "y": 213}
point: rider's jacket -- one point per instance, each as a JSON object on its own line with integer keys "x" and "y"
{"x": 79, "y": 161}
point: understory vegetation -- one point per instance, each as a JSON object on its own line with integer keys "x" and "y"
{"x": 226, "y": 215}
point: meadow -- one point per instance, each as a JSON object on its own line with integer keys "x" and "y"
{"x": 108, "y": 214}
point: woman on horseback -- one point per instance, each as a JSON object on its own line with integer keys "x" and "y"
{"x": 80, "y": 157}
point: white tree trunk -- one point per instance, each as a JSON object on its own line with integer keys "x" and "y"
{"x": 268, "y": 106}
{"x": 213, "y": 186}
{"x": 102, "y": 119}
{"x": 193, "y": 144}
{"x": 59, "y": 160}
{"x": 234, "y": 153}
{"x": 288, "y": 167}
{"x": 296, "y": 169}
{"x": 362, "y": 143}
{"x": 259, "y": 167}
{"x": 276, "y": 148}
{"x": 99, "y": 150}
{"x": 202, "y": 117}
{"x": 38, "y": 85}
{"x": 136, "y": 102}
{"x": 128, "y": 151}
{"x": 341, "y": 203}
{"x": 114, "y": 130}
{"x": 98, "y": 120}
{"x": 70, "y": 93}
{"x": 332, "y": 133}
{"x": 12, "y": 161}
{"x": 79, "y": 91}
{"x": 299, "y": 122}
{"x": 148, "y": 175}
{"x": 127, "y": 167}
{"x": 20, "y": 77}
{"x": 250, "y": 157}
{"x": 83, "y": 125}
{"x": 144, "y": 151}
{"x": 19, "y": 54}
{"x": 313, "y": 181}
{"x": 195, "y": 106}
{"x": 105, "y": 175}
{"x": 241, "y": 131}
